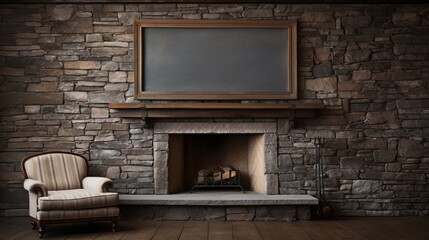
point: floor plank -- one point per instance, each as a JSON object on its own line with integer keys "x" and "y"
{"x": 220, "y": 231}
{"x": 281, "y": 231}
{"x": 395, "y": 229}
{"x": 169, "y": 230}
{"x": 123, "y": 228}
{"x": 316, "y": 232}
{"x": 142, "y": 230}
{"x": 195, "y": 231}
{"x": 245, "y": 231}
{"x": 339, "y": 231}
{"x": 350, "y": 228}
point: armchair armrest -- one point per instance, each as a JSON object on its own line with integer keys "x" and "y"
{"x": 97, "y": 184}
{"x": 36, "y": 187}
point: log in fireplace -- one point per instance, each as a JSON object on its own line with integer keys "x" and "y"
{"x": 221, "y": 178}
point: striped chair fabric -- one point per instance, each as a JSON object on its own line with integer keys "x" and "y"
{"x": 76, "y": 199}
{"x": 78, "y": 214}
{"x": 49, "y": 167}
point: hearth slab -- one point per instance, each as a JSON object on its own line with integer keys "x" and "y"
{"x": 217, "y": 199}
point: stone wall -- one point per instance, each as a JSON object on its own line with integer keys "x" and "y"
{"x": 60, "y": 65}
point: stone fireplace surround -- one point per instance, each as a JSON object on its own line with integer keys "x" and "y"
{"x": 162, "y": 130}
{"x": 218, "y": 205}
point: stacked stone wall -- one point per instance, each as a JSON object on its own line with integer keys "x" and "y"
{"x": 60, "y": 66}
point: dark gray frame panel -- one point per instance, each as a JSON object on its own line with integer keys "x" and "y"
{"x": 215, "y": 60}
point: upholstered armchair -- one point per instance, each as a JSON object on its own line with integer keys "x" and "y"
{"x": 60, "y": 191}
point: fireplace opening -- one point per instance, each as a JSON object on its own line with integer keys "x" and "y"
{"x": 190, "y": 154}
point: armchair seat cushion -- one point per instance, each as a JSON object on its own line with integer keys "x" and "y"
{"x": 78, "y": 214}
{"x": 76, "y": 199}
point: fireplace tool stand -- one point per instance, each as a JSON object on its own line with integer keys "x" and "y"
{"x": 320, "y": 185}
{"x": 224, "y": 179}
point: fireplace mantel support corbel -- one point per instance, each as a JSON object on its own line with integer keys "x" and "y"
{"x": 151, "y": 111}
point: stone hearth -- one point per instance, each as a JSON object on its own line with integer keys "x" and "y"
{"x": 218, "y": 206}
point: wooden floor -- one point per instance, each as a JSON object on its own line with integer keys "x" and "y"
{"x": 378, "y": 228}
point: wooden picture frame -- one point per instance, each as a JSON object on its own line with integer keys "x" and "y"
{"x": 215, "y": 59}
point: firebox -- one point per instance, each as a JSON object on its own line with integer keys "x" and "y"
{"x": 192, "y": 156}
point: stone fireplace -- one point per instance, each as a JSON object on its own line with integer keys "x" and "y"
{"x": 183, "y": 148}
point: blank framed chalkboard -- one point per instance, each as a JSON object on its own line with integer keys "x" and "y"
{"x": 215, "y": 60}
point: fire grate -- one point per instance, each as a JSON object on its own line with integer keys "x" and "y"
{"x": 225, "y": 177}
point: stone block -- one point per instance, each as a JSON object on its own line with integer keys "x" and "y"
{"x": 257, "y": 13}
{"x": 70, "y": 132}
{"x": 109, "y": 66}
{"x": 355, "y": 56}
{"x": 385, "y": 155}
{"x": 420, "y": 103}
{"x": 410, "y": 148}
{"x": 75, "y": 25}
{"x": 317, "y": 17}
{"x": 320, "y": 133}
{"x": 59, "y": 145}
{"x": 76, "y": 96}
{"x": 403, "y": 176}
{"x": 360, "y": 75}
{"x": 96, "y": 37}
{"x": 327, "y": 84}
{"x": 117, "y": 76}
{"x": 380, "y": 117}
{"x": 322, "y": 70}
{"x": 272, "y": 184}
{"x": 393, "y": 167}
{"x": 43, "y": 87}
{"x": 368, "y": 144}
{"x": 99, "y": 113}
{"x": 323, "y": 54}
{"x": 109, "y": 51}
{"x": 278, "y": 213}
{"x": 402, "y": 19}
{"x": 104, "y": 153}
{"x": 82, "y": 65}
{"x": 105, "y": 97}
{"x": 343, "y": 174}
{"x": 116, "y": 126}
{"x": 128, "y": 18}
{"x": 32, "y": 109}
{"x": 283, "y": 126}
{"x": 113, "y": 8}
{"x": 61, "y": 12}
{"x": 22, "y": 98}
{"x": 24, "y": 145}
{"x": 240, "y": 213}
{"x": 416, "y": 123}
{"x": 157, "y": 7}
{"x": 356, "y": 21}
{"x": 160, "y": 146}
{"x": 352, "y": 162}
{"x": 226, "y": 9}
{"x": 366, "y": 187}
{"x": 335, "y": 143}
{"x": 116, "y": 87}
{"x": 349, "y": 86}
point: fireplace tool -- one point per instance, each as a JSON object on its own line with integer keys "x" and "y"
{"x": 322, "y": 208}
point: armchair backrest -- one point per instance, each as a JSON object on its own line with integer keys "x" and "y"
{"x": 57, "y": 170}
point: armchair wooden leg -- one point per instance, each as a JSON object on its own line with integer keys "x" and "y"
{"x": 33, "y": 225}
{"x": 42, "y": 229}
{"x": 114, "y": 225}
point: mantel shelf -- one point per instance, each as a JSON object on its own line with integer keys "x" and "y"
{"x": 224, "y": 106}
{"x": 216, "y": 110}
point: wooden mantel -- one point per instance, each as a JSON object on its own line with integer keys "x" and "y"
{"x": 211, "y": 110}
